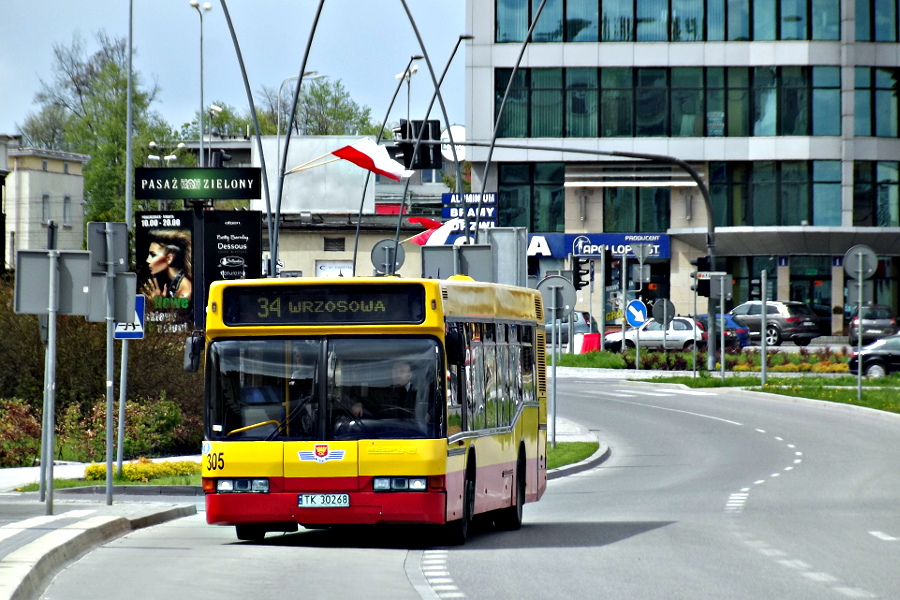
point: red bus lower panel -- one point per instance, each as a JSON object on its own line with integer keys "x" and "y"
{"x": 366, "y": 508}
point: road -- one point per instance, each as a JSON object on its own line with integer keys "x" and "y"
{"x": 708, "y": 494}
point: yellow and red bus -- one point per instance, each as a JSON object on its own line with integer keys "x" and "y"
{"x": 303, "y": 424}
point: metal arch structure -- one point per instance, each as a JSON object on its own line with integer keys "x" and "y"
{"x": 657, "y": 158}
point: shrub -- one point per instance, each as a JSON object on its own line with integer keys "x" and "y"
{"x": 144, "y": 469}
{"x": 20, "y": 434}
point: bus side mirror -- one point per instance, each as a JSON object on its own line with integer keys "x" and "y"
{"x": 193, "y": 348}
{"x": 455, "y": 347}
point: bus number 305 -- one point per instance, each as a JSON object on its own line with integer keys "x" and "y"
{"x": 215, "y": 461}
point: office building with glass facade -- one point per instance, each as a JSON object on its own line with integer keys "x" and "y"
{"x": 787, "y": 109}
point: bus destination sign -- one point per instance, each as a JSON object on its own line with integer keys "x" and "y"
{"x": 323, "y": 304}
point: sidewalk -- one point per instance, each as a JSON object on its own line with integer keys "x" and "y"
{"x": 35, "y": 546}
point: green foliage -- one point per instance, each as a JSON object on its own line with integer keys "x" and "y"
{"x": 20, "y": 434}
{"x": 84, "y": 110}
{"x": 144, "y": 470}
{"x": 596, "y": 360}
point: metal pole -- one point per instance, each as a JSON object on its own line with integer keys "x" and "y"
{"x": 722, "y": 312}
{"x": 200, "y": 10}
{"x": 129, "y": 173}
{"x": 859, "y": 364}
{"x": 362, "y": 200}
{"x": 554, "y": 290}
{"x": 694, "y": 349}
{"x": 52, "y": 311}
{"x": 602, "y": 325}
{"x": 46, "y": 419}
{"x": 764, "y": 355}
{"x": 499, "y": 117}
{"x": 110, "y": 359}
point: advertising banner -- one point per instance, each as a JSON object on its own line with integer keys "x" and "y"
{"x": 163, "y": 244}
{"x": 232, "y": 247}
{"x": 186, "y": 183}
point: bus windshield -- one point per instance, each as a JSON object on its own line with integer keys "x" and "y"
{"x": 325, "y": 388}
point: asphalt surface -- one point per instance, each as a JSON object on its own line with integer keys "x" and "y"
{"x": 35, "y": 545}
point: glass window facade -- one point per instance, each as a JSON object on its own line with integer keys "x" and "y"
{"x": 636, "y": 209}
{"x": 876, "y": 194}
{"x": 678, "y": 102}
{"x": 875, "y": 105}
{"x": 531, "y": 195}
{"x": 689, "y": 20}
{"x": 776, "y": 193}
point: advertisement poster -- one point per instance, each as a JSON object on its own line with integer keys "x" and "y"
{"x": 233, "y": 247}
{"x": 164, "y": 250}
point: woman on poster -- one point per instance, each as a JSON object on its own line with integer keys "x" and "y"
{"x": 169, "y": 262}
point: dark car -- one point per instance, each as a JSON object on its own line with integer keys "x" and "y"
{"x": 583, "y": 323}
{"x": 877, "y": 322}
{"x": 785, "y": 321}
{"x": 880, "y": 358}
{"x": 737, "y": 335}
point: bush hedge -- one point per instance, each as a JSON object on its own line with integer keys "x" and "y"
{"x": 144, "y": 469}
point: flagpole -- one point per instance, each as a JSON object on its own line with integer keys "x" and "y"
{"x": 512, "y": 76}
{"x": 369, "y": 174}
{"x": 274, "y": 227}
{"x": 435, "y": 96}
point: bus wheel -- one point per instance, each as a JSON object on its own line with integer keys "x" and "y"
{"x": 510, "y": 519}
{"x": 250, "y": 533}
{"x": 458, "y": 531}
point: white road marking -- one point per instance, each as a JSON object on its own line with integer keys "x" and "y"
{"x": 883, "y": 536}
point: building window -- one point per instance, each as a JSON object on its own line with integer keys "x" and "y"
{"x": 334, "y": 244}
{"x": 876, "y": 194}
{"x": 45, "y": 165}
{"x": 45, "y": 208}
{"x": 875, "y": 102}
{"x": 531, "y": 195}
{"x": 66, "y": 167}
{"x": 431, "y": 175}
{"x": 67, "y": 210}
{"x": 776, "y": 193}
{"x": 636, "y": 209}
{"x": 689, "y": 20}
{"x": 661, "y": 102}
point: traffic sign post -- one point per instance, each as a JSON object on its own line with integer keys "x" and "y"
{"x": 133, "y": 330}
{"x": 860, "y": 262}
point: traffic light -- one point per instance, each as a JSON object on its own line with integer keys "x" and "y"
{"x": 580, "y": 272}
{"x": 701, "y": 286}
{"x": 219, "y": 158}
{"x": 429, "y": 155}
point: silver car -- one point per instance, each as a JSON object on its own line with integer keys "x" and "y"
{"x": 682, "y": 334}
{"x": 877, "y": 322}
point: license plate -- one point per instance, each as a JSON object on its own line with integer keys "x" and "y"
{"x": 808, "y": 323}
{"x": 323, "y": 500}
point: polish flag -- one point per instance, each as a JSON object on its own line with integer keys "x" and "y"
{"x": 367, "y": 154}
{"x": 439, "y": 235}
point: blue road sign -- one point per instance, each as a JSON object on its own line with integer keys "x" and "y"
{"x": 636, "y": 313}
{"x": 134, "y": 330}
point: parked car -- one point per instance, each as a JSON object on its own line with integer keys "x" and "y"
{"x": 785, "y": 321}
{"x": 877, "y": 322}
{"x": 582, "y": 323}
{"x": 682, "y": 334}
{"x": 737, "y": 335}
{"x": 880, "y": 358}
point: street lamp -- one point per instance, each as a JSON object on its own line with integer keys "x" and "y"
{"x": 206, "y": 7}
{"x": 214, "y": 111}
{"x": 407, "y": 75}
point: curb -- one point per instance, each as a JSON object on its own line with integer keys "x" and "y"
{"x": 29, "y": 569}
{"x": 596, "y": 459}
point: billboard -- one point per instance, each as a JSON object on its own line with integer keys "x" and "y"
{"x": 163, "y": 243}
{"x": 232, "y": 245}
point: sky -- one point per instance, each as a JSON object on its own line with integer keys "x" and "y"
{"x": 363, "y": 43}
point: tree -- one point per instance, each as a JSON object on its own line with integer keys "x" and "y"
{"x": 84, "y": 110}
{"x": 324, "y": 108}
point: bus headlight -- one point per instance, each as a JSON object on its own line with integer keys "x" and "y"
{"x": 242, "y": 485}
{"x": 399, "y": 484}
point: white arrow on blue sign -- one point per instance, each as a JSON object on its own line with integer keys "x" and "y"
{"x": 636, "y": 313}
{"x": 135, "y": 330}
